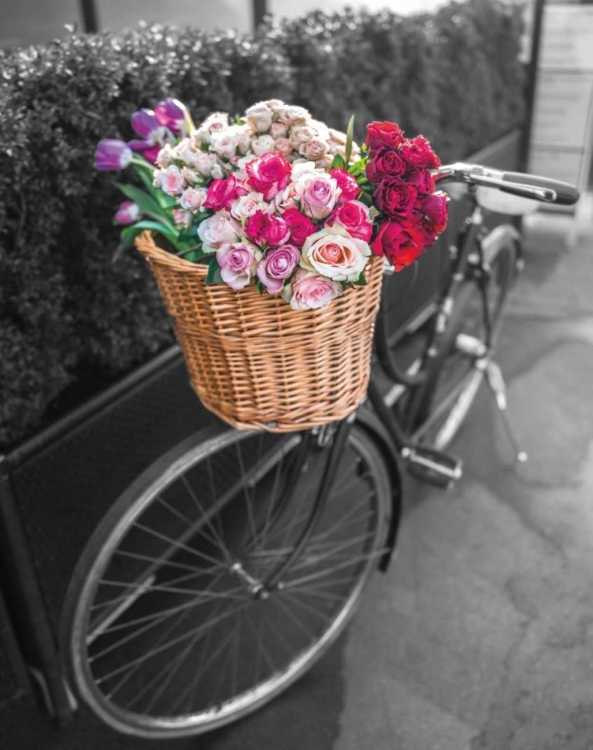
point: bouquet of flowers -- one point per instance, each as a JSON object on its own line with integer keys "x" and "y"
{"x": 276, "y": 198}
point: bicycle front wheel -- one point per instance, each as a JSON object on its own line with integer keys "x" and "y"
{"x": 165, "y": 628}
{"x": 470, "y": 338}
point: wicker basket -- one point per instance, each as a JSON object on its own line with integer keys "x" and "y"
{"x": 257, "y": 363}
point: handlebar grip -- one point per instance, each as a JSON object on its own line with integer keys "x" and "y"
{"x": 566, "y": 194}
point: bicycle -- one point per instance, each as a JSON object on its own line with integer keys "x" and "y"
{"x": 232, "y": 563}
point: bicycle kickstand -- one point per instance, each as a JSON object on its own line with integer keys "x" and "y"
{"x": 497, "y": 386}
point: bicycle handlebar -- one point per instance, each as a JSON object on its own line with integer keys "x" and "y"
{"x": 543, "y": 189}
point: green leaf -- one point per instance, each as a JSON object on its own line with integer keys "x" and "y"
{"x": 349, "y": 138}
{"x": 157, "y": 226}
{"x": 187, "y": 235}
{"x": 338, "y": 162}
{"x": 360, "y": 281}
{"x": 365, "y": 197}
{"x": 146, "y": 203}
{"x": 259, "y": 286}
{"x": 213, "y": 276}
{"x": 128, "y": 235}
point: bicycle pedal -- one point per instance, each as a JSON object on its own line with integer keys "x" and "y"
{"x": 433, "y": 466}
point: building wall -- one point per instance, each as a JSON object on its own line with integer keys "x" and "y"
{"x": 25, "y": 22}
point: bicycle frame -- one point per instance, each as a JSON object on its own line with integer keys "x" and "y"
{"x": 436, "y": 466}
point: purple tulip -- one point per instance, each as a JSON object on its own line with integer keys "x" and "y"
{"x": 112, "y": 154}
{"x": 149, "y": 150}
{"x": 147, "y": 126}
{"x": 172, "y": 114}
{"x": 127, "y": 213}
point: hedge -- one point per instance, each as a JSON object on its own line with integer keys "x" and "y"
{"x": 66, "y": 306}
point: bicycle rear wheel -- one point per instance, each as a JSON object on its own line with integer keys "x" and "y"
{"x": 165, "y": 630}
{"x": 469, "y": 340}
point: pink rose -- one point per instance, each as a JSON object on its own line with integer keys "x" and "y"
{"x": 333, "y": 253}
{"x": 354, "y": 217}
{"x": 236, "y": 263}
{"x": 267, "y": 230}
{"x": 277, "y": 266}
{"x": 268, "y": 174}
{"x": 350, "y": 189}
{"x": 317, "y": 192}
{"x": 309, "y": 291}
{"x": 300, "y": 225}
{"x": 221, "y": 193}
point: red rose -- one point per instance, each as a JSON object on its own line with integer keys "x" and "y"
{"x": 383, "y": 134}
{"x": 347, "y": 184}
{"x": 433, "y": 214}
{"x": 422, "y": 180}
{"x": 395, "y": 197}
{"x": 400, "y": 243}
{"x": 268, "y": 174}
{"x": 385, "y": 162}
{"x": 300, "y": 225}
{"x": 221, "y": 193}
{"x": 435, "y": 210}
{"x": 417, "y": 153}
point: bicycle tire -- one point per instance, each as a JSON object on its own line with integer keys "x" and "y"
{"x": 448, "y": 398}
{"x": 139, "y": 646}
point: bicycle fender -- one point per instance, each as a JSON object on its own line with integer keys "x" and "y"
{"x": 501, "y": 235}
{"x": 366, "y": 420}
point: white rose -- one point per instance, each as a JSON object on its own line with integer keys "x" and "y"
{"x": 259, "y": 117}
{"x": 217, "y": 172}
{"x": 247, "y": 205}
{"x": 335, "y": 254}
{"x": 185, "y": 152}
{"x": 165, "y": 156}
{"x": 278, "y": 130}
{"x": 263, "y": 145}
{"x": 171, "y": 180}
{"x": 225, "y": 143}
{"x": 217, "y": 230}
{"x": 293, "y": 115}
{"x": 192, "y": 198}
{"x": 203, "y": 163}
{"x": 283, "y": 146}
{"x": 314, "y": 149}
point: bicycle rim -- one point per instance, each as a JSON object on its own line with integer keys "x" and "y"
{"x": 164, "y": 631}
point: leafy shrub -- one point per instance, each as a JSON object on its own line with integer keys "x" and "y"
{"x": 65, "y": 304}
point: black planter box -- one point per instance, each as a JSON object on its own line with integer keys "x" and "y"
{"x": 56, "y": 487}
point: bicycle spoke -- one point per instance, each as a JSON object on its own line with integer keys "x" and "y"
{"x": 153, "y": 652}
{"x": 217, "y": 538}
{"x": 175, "y": 543}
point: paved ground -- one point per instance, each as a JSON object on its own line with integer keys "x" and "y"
{"x": 480, "y": 637}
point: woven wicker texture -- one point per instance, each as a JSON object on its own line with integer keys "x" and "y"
{"x": 257, "y": 363}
